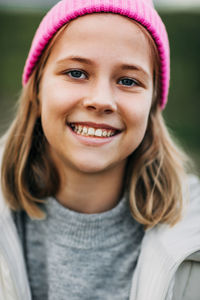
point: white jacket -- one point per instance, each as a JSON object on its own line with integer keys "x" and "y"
{"x": 163, "y": 250}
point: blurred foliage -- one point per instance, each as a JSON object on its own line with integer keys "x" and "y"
{"x": 17, "y": 30}
{"x": 182, "y": 111}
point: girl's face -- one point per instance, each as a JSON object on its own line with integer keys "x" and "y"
{"x": 96, "y": 93}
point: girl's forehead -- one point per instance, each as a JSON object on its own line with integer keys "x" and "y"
{"x": 117, "y": 32}
{"x": 100, "y": 21}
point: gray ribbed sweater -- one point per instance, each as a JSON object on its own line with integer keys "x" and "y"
{"x": 82, "y": 256}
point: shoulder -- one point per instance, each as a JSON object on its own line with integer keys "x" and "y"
{"x": 191, "y": 205}
{"x": 187, "y": 279}
{"x": 191, "y": 196}
{"x": 187, "y": 275}
{"x": 3, "y": 205}
{"x": 193, "y": 183}
{"x": 182, "y": 239}
{"x": 2, "y": 143}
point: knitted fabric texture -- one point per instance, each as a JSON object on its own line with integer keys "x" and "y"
{"x": 141, "y": 11}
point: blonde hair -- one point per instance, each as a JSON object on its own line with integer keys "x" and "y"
{"x": 154, "y": 171}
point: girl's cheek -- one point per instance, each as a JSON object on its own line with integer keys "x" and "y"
{"x": 135, "y": 108}
{"x": 59, "y": 100}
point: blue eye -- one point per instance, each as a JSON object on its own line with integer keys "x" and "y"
{"x": 76, "y": 74}
{"x": 128, "y": 82}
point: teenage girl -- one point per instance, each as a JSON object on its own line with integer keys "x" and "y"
{"x": 96, "y": 202}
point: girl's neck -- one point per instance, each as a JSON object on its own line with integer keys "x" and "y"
{"x": 92, "y": 193}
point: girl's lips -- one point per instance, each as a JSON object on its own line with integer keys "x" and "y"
{"x": 93, "y": 130}
{"x": 96, "y": 137}
{"x": 95, "y": 125}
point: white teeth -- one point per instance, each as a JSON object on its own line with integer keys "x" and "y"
{"x": 79, "y": 128}
{"x": 85, "y": 130}
{"x": 98, "y": 132}
{"x": 90, "y": 131}
{"x": 104, "y": 133}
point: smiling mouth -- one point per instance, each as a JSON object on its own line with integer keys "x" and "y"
{"x": 90, "y": 131}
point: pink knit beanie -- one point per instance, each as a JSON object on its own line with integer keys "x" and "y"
{"x": 140, "y": 10}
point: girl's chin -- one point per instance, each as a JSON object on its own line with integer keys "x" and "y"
{"x": 96, "y": 165}
{"x": 89, "y": 168}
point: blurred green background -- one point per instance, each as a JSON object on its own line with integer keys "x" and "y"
{"x": 182, "y": 112}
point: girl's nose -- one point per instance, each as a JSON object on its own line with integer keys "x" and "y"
{"x": 101, "y": 101}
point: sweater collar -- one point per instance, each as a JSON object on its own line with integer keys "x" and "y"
{"x": 85, "y": 231}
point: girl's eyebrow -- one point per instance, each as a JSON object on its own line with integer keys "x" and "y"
{"x": 76, "y": 58}
{"x": 90, "y": 62}
{"x": 145, "y": 74}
